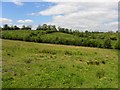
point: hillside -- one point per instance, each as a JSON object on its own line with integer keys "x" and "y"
{"x": 38, "y": 65}
{"x": 88, "y": 39}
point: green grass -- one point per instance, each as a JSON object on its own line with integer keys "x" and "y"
{"x": 36, "y": 65}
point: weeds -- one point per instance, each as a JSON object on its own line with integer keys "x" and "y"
{"x": 95, "y": 62}
{"x": 48, "y": 51}
{"x": 68, "y": 53}
{"x": 100, "y": 74}
{"x": 28, "y": 61}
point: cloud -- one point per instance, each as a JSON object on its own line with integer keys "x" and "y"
{"x": 80, "y": 1}
{"x": 20, "y": 25}
{"x": 56, "y": 1}
{"x": 17, "y": 2}
{"x": 5, "y": 21}
{"x": 83, "y": 16}
{"x": 25, "y": 21}
{"x": 61, "y": 8}
{"x": 70, "y": 7}
{"x": 97, "y": 15}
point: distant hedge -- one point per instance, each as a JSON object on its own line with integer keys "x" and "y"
{"x": 57, "y": 37}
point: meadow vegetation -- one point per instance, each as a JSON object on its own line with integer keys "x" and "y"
{"x": 37, "y": 65}
{"x": 51, "y": 57}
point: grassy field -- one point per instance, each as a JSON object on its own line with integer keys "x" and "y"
{"x": 36, "y": 65}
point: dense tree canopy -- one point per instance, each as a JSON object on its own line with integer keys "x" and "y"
{"x": 46, "y": 27}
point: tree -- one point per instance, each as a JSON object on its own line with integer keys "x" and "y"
{"x": 0, "y": 28}
{"x": 0, "y": 31}
{"x": 12, "y": 27}
{"x": 70, "y": 31}
{"x": 23, "y": 27}
{"x": 49, "y": 27}
{"x": 117, "y": 45}
{"x": 61, "y": 29}
{"x": 54, "y": 28}
{"x": 39, "y": 27}
{"x": 44, "y": 26}
{"x": 86, "y": 31}
{"x": 6, "y": 27}
{"x": 15, "y": 28}
{"x": 107, "y": 43}
{"x": 28, "y": 27}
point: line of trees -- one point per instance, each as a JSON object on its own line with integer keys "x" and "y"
{"x": 46, "y": 37}
{"x": 90, "y": 39}
{"x": 7, "y": 27}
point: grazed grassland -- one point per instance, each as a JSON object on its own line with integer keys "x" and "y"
{"x": 36, "y": 65}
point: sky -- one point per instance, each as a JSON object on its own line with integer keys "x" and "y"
{"x": 78, "y": 15}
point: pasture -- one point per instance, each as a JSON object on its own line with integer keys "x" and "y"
{"x": 39, "y": 65}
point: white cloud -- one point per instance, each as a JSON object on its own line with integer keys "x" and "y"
{"x": 80, "y": 0}
{"x": 70, "y": 7}
{"x": 93, "y": 15}
{"x": 34, "y": 26}
{"x": 65, "y": 0}
{"x": 17, "y": 2}
{"x": 25, "y": 21}
{"x": 61, "y": 8}
{"x": 5, "y": 21}
{"x": 83, "y": 16}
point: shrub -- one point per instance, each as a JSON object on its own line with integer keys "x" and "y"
{"x": 117, "y": 45}
{"x": 107, "y": 43}
{"x": 100, "y": 74}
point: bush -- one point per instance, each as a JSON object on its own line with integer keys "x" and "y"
{"x": 117, "y": 45}
{"x": 107, "y": 43}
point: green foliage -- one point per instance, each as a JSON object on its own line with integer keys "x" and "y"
{"x": 107, "y": 43}
{"x": 26, "y": 27}
{"x": 117, "y": 45}
{"x": 49, "y": 34}
{"x": 55, "y": 37}
{"x": 46, "y": 27}
{"x": 6, "y": 27}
